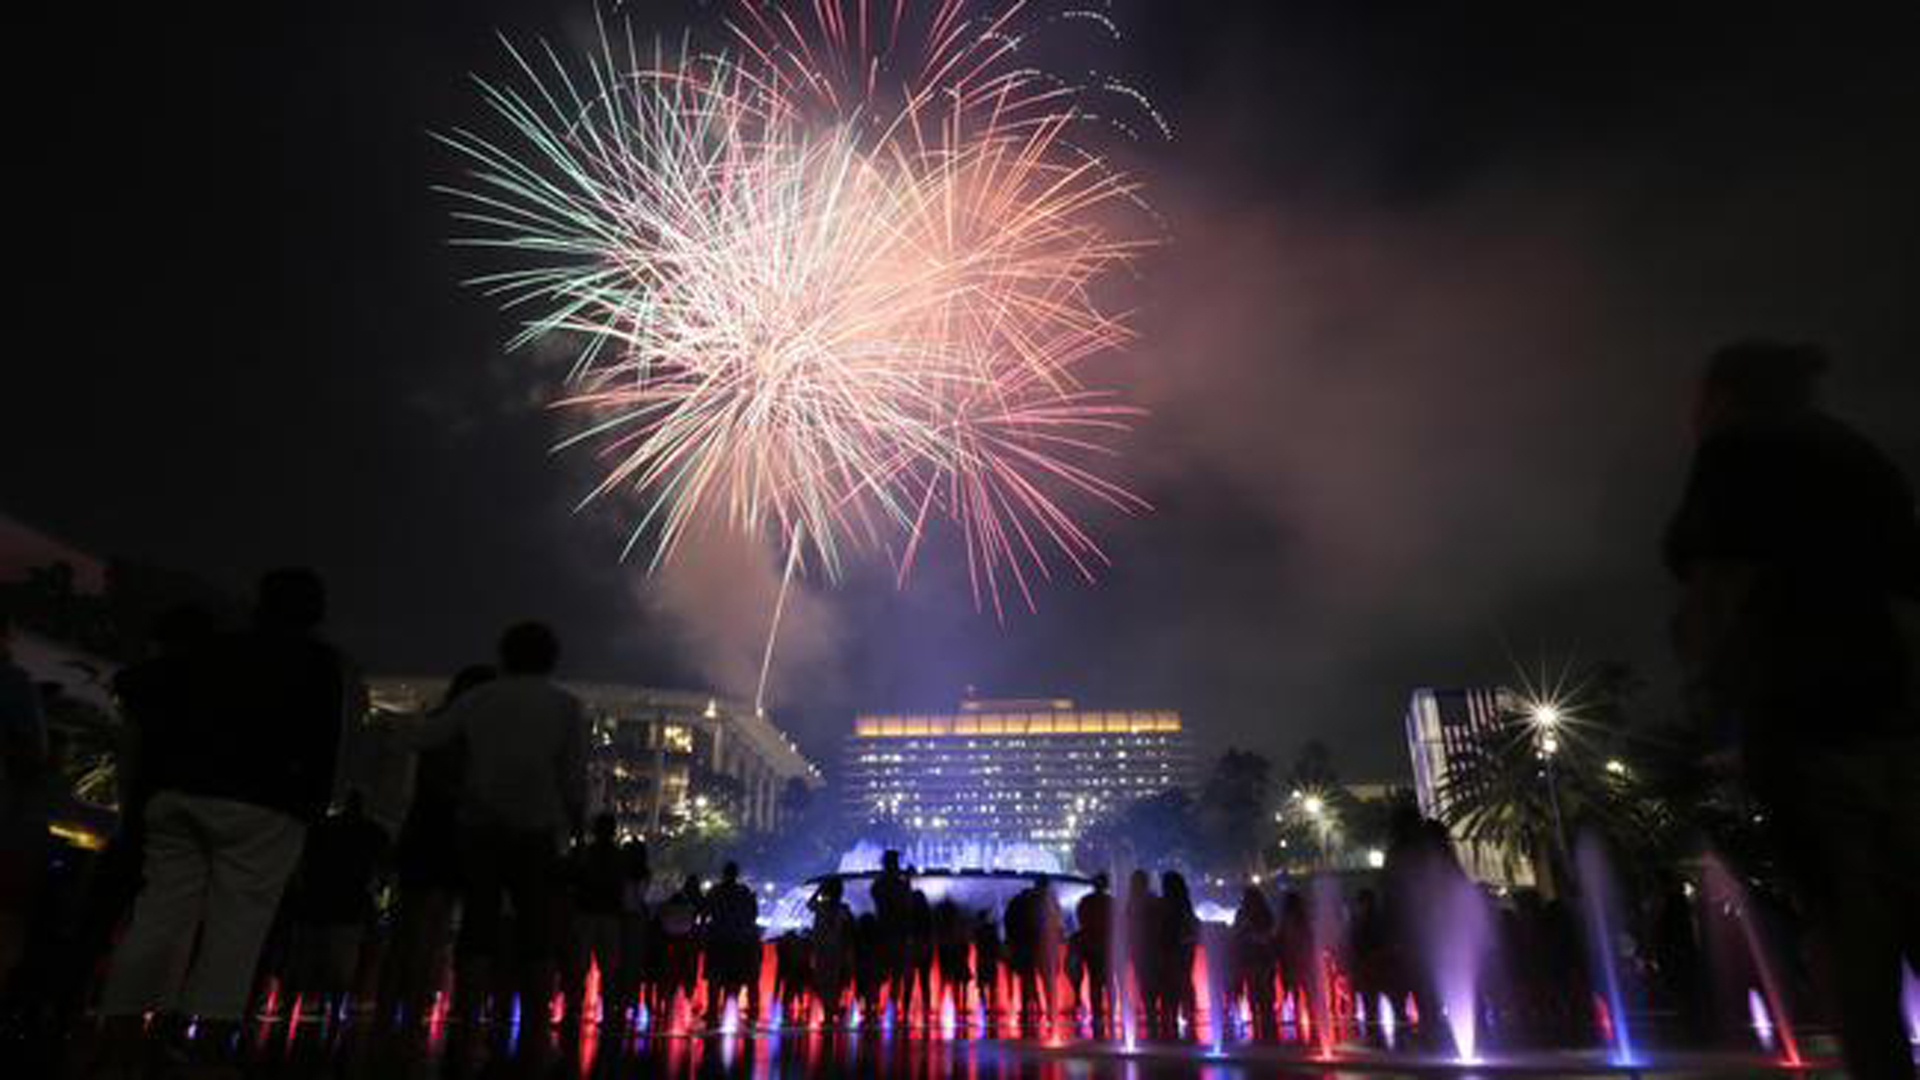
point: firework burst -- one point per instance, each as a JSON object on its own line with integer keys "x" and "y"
{"x": 835, "y": 286}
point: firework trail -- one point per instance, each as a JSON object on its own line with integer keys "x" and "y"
{"x": 835, "y": 286}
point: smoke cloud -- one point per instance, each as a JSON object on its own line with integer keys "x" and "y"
{"x": 716, "y": 600}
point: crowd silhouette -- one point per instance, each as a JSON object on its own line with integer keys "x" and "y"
{"x": 242, "y": 879}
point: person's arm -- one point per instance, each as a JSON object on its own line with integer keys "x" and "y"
{"x": 434, "y": 728}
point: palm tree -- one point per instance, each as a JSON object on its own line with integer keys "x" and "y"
{"x": 1496, "y": 793}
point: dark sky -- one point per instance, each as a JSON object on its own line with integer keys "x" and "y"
{"x": 1417, "y": 353}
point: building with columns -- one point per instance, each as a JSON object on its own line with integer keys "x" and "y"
{"x": 660, "y": 759}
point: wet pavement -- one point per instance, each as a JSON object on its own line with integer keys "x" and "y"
{"x": 347, "y": 1051}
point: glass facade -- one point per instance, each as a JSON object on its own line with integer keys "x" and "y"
{"x": 1032, "y": 771}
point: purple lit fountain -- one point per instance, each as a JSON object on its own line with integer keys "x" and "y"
{"x": 979, "y": 876}
{"x": 1457, "y": 932}
{"x": 1601, "y": 905}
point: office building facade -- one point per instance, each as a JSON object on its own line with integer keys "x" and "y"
{"x": 1028, "y": 771}
{"x": 1445, "y": 728}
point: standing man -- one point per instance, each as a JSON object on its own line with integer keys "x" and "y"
{"x": 598, "y": 874}
{"x": 1093, "y": 933}
{"x": 523, "y": 795}
{"x": 892, "y": 895}
{"x": 733, "y": 945}
{"x": 1799, "y": 560}
{"x": 249, "y": 767}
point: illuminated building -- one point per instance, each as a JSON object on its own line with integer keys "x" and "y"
{"x": 658, "y": 759}
{"x": 1445, "y": 728}
{"x": 1034, "y": 771}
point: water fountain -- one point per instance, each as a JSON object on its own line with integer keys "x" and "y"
{"x": 1724, "y": 888}
{"x": 1910, "y": 1002}
{"x": 1329, "y": 1008}
{"x": 1599, "y": 901}
{"x": 978, "y": 876}
{"x": 1455, "y": 936}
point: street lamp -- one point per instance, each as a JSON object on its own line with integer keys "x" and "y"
{"x": 1315, "y": 807}
{"x": 1545, "y": 717}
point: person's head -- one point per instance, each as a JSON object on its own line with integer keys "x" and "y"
{"x": 691, "y": 886}
{"x": 1100, "y": 882}
{"x": 1173, "y": 886}
{"x": 529, "y": 648}
{"x": 1140, "y": 883}
{"x": 290, "y": 598}
{"x": 466, "y": 679}
{"x": 1253, "y": 901}
{"x": 890, "y": 861}
{"x": 730, "y": 873}
{"x": 355, "y": 805}
{"x": 1755, "y": 380}
{"x": 830, "y": 889}
{"x": 604, "y": 826}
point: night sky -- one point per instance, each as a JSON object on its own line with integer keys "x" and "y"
{"x": 1418, "y": 353}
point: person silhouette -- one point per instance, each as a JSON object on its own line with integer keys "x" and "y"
{"x": 1093, "y": 940}
{"x": 427, "y": 865}
{"x": 1143, "y": 949}
{"x": 597, "y": 872}
{"x": 522, "y": 795}
{"x": 733, "y": 945}
{"x": 1179, "y": 938}
{"x": 1251, "y": 962}
{"x": 332, "y": 899}
{"x": 892, "y": 894}
{"x": 251, "y": 768}
{"x": 832, "y": 940}
{"x": 1798, "y": 556}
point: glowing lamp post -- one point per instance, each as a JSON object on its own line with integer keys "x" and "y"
{"x": 1545, "y": 718}
{"x": 1315, "y": 808}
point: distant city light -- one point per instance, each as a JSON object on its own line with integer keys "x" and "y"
{"x": 1616, "y": 767}
{"x": 1376, "y": 858}
{"x": 1313, "y": 805}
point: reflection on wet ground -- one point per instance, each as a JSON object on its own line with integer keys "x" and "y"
{"x": 348, "y": 1051}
